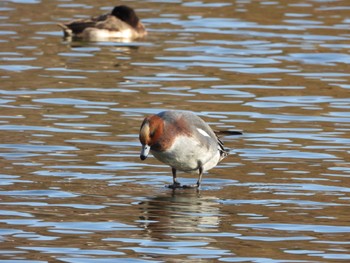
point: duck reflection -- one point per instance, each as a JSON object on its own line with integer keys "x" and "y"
{"x": 180, "y": 212}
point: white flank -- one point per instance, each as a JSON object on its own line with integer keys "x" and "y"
{"x": 203, "y": 132}
{"x": 127, "y": 33}
{"x": 95, "y": 34}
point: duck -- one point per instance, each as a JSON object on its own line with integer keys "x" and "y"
{"x": 121, "y": 23}
{"x": 184, "y": 141}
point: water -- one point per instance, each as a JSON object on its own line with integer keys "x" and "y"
{"x": 72, "y": 187}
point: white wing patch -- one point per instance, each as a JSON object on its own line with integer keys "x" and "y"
{"x": 203, "y": 132}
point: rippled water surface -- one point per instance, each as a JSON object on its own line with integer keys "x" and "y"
{"x": 72, "y": 187}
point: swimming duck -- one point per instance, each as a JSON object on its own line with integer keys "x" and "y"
{"x": 183, "y": 141}
{"x": 121, "y": 23}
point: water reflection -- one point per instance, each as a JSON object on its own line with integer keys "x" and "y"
{"x": 179, "y": 212}
{"x": 178, "y": 223}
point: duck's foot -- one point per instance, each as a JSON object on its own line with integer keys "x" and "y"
{"x": 190, "y": 186}
{"x": 185, "y": 186}
{"x": 175, "y": 185}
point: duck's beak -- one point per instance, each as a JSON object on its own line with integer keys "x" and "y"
{"x": 144, "y": 152}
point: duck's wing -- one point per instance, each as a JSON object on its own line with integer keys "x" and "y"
{"x": 112, "y": 23}
{"x": 100, "y": 17}
{"x": 76, "y": 27}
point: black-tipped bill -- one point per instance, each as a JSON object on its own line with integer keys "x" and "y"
{"x": 144, "y": 152}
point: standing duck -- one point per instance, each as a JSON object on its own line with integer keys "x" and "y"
{"x": 183, "y": 141}
{"x": 121, "y": 23}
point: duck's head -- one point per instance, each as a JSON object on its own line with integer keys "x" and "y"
{"x": 151, "y": 130}
{"x": 126, "y": 14}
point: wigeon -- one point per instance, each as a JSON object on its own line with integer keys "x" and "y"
{"x": 121, "y": 23}
{"x": 183, "y": 141}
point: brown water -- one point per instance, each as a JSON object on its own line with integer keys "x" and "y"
{"x": 72, "y": 187}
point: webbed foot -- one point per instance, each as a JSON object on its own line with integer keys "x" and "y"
{"x": 175, "y": 185}
{"x": 185, "y": 186}
{"x": 190, "y": 186}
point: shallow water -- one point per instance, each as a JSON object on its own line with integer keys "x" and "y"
{"x": 72, "y": 187}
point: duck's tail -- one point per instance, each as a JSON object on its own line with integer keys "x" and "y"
{"x": 223, "y": 151}
{"x": 227, "y": 133}
{"x": 66, "y": 30}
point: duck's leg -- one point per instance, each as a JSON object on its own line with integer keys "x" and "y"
{"x": 175, "y": 184}
{"x": 200, "y": 176}
{"x": 199, "y": 181}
